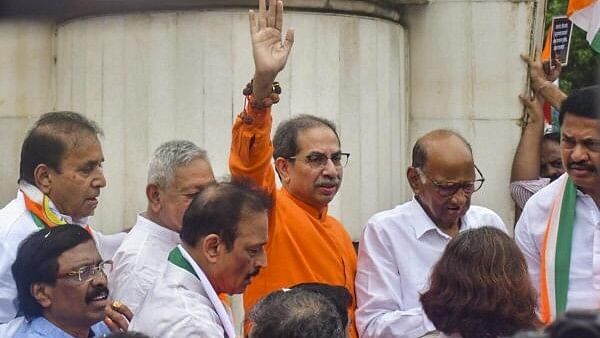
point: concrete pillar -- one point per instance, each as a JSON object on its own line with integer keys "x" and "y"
{"x": 465, "y": 74}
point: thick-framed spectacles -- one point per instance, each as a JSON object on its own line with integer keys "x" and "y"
{"x": 450, "y": 188}
{"x": 319, "y": 160}
{"x": 88, "y": 272}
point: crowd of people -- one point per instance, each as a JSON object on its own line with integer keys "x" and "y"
{"x": 435, "y": 266}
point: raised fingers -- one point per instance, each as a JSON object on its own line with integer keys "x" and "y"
{"x": 279, "y": 15}
{"x": 262, "y": 14}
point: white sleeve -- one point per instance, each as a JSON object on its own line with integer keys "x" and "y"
{"x": 380, "y": 312}
{"x": 108, "y": 244}
{"x": 8, "y": 289}
{"x": 526, "y": 242}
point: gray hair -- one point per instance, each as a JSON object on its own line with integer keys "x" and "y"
{"x": 296, "y": 313}
{"x": 168, "y": 157}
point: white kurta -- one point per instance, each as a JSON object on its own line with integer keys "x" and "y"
{"x": 584, "y": 274}
{"x": 398, "y": 249}
{"x": 182, "y": 305}
{"x": 16, "y": 224}
{"x": 140, "y": 261}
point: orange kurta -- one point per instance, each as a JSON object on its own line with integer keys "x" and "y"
{"x": 305, "y": 244}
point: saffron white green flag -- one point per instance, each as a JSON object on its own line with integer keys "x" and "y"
{"x": 586, "y": 15}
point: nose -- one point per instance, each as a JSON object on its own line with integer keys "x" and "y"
{"x": 261, "y": 259}
{"x": 579, "y": 153}
{"x": 99, "y": 181}
{"x": 330, "y": 169}
{"x": 99, "y": 279}
{"x": 460, "y": 197}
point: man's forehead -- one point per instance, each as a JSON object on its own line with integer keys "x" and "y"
{"x": 317, "y": 137}
{"x": 81, "y": 254}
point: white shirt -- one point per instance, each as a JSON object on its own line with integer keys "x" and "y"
{"x": 140, "y": 260}
{"x": 183, "y": 305}
{"x": 16, "y": 224}
{"x": 584, "y": 275}
{"x": 398, "y": 249}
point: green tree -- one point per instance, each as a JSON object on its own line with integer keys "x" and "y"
{"x": 584, "y": 63}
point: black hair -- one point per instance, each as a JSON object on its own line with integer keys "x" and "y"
{"x": 338, "y": 295}
{"x": 218, "y": 208}
{"x": 37, "y": 262}
{"x": 584, "y": 102}
{"x": 47, "y": 141}
{"x": 285, "y": 141}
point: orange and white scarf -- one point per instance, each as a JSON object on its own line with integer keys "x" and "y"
{"x": 556, "y": 252}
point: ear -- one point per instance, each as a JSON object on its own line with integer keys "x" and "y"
{"x": 43, "y": 178}
{"x": 212, "y": 245}
{"x": 414, "y": 180}
{"x": 153, "y": 195}
{"x": 282, "y": 166}
{"x": 42, "y": 293}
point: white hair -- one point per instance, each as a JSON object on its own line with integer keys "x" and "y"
{"x": 168, "y": 157}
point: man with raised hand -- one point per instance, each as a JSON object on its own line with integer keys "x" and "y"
{"x": 559, "y": 229}
{"x": 305, "y": 244}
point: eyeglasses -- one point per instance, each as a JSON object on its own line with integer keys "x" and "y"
{"x": 88, "y": 272}
{"x": 319, "y": 160}
{"x": 446, "y": 189}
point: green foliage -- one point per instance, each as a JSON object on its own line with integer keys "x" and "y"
{"x": 584, "y": 63}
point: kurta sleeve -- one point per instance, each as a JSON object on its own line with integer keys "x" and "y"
{"x": 381, "y": 312}
{"x": 252, "y": 149}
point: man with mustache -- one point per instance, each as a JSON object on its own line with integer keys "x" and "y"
{"x": 306, "y": 244}
{"x": 60, "y": 180}
{"x": 61, "y": 283}
{"x": 178, "y": 171}
{"x": 223, "y": 237}
{"x": 559, "y": 230}
{"x": 400, "y": 246}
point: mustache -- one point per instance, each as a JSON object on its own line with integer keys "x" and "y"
{"x": 580, "y": 165}
{"x": 327, "y": 181}
{"x": 95, "y": 292}
{"x": 253, "y": 274}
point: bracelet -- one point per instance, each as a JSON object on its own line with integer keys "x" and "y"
{"x": 266, "y": 102}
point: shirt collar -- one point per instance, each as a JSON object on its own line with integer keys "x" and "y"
{"x": 226, "y": 320}
{"x": 318, "y": 213}
{"x": 426, "y": 225}
{"x": 48, "y": 329}
{"x": 166, "y": 234}
{"x": 37, "y": 195}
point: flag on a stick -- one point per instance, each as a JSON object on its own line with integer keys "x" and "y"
{"x": 586, "y": 15}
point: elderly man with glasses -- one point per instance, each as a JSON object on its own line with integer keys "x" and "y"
{"x": 400, "y": 246}
{"x": 305, "y": 243}
{"x": 61, "y": 284}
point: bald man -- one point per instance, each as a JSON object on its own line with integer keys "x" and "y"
{"x": 400, "y": 246}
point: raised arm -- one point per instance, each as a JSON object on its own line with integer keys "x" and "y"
{"x": 542, "y": 76}
{"x": 269, "y": 50}
{"x": 526, "y": 163}
{"x": 251, "y": 147}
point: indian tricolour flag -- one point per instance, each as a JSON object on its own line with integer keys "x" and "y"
{"x": 586, "y": 15}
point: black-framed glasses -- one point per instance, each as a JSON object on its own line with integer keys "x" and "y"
{"x": 318, "y": 160}
{"x": 88, "y": 272}
{"x": 450, "y": 188}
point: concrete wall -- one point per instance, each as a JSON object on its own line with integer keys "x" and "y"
{"x": 153, "y": 76}
{"x": 147, "y": 78}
